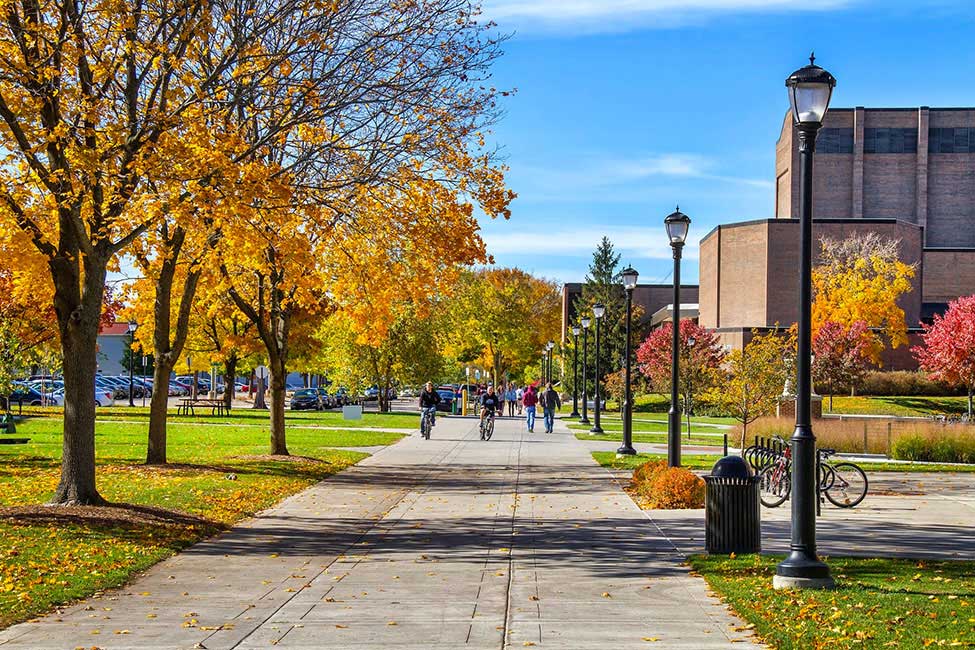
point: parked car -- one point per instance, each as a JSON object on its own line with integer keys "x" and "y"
{"x": 328, "y": 401}
{"x": 446, "y": 399}
{"x": 23, "y": 394}
{"x": 306, "y": 398}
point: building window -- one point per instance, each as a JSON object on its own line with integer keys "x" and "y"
{"x": 951, "y": 140}
{"x": 835, "y": 141}
{"x": 888, "y": 140}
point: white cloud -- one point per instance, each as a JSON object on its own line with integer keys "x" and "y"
{"x": 611, "y": 15}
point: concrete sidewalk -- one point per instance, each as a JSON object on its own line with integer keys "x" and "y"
{"x": 448, "y": 543}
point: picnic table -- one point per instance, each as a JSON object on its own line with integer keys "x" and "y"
{"x": 187, "y": 406}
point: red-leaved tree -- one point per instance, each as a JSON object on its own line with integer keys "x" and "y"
{"x": 697, "y": 363}
{"x": 842, "y": 355}
{"x": 948, "y": 353}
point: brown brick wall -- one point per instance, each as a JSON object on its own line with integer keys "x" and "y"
{"x": 948, "y": 275}
{"x": 951, "y": 200}
{"x": 889, "y": 186}
{"x": 742, "y": 272}
{"x": 708, "y": 277}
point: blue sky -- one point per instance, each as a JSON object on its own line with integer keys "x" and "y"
{"x": 625, "y": 108}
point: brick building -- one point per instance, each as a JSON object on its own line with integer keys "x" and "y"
{"x": 653, "y": 298}
{"x": 908, "y": 174}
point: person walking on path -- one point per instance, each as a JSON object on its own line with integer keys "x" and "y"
{"x": 530, "y": 399}
{"x": 520, "y": 395}
{"x": 511, "y": 397}
{"x": 549, "y": 399}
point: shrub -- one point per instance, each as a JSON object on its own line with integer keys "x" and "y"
{"x": 937, "y": 447}
{"x": 676, "y": 488}
{"x": 903, "y": 383}
{"x": 646, "y": 472}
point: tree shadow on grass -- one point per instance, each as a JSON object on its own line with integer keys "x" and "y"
{"x": 124, "y": 520}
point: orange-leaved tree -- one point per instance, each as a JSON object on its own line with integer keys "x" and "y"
{"x": 859, "y": 280}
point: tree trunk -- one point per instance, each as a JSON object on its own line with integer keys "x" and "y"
{"x": 229, "y": 380}
{"x": 279, "y": 374}
{"x": 159, "y": 410}
{"x": 78, "y": 320}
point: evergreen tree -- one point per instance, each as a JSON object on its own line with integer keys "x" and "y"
{"x": 604, "y": 285}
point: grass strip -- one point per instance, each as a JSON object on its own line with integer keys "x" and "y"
{"x": 878, "y": 603}
{"x": 657, "y": 438}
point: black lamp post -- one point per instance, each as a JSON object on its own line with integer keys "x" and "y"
{"x": 810, "y": 89}
{"x": 133, "y": 326}
{"x": 598, "y": 310}
{"x": 584, "y": 321}
{"x": 629, "y": 284}
{"x": 575, "y": 372}
{"x": 677, "y": 224}
{"x": 551, "y": 353}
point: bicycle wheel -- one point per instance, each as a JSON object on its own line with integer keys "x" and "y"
{"x": 849, "y": 485}
{"x": 490, "y": 428}
{"x": 775, "y": 484}
{"x": 425, "y": 426}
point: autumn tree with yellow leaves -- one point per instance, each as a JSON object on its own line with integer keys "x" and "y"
{"x": 859, "y": 280}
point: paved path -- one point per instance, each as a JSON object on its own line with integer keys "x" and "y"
{"x": 447, "y": 543}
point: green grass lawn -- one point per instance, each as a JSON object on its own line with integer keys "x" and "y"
{"x": 218, "y": 476}
{"x": 878, "y": 603}
{"x": 897, "y": 406}
{"x": 659, "y": 438}
{"x": 707, "y": 461}
{"x": 690, "y": 461}
{"x": 245, "y": 416}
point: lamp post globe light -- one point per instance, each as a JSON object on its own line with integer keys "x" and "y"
{"x": 810, "y": 89}
{"x": 598, "y": 310}
{"x": 584, "y": 321}
{"x": 575, "y": 372}
{"x": 629, "y": 284}
{"x": 133, "y": 326}
{"x": 677, "y": 224}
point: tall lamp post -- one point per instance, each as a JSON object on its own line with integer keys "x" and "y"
{"x": 584, "y": 321}
{"x": 575, "y": 372}
{"x": 810, "y": 89}
{"x": 629, "y": 284}
{"x": 133, "y": 326}
{"x": 677, "y": 224}
{"x": 551, "y": 353}
{"x": 598, "y": 310}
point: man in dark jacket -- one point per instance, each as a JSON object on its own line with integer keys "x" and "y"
{"x": 549, "y": 399}
{"x": 429, "y": 399}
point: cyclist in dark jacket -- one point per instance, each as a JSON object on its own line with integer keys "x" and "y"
{"x": 429, "y": 399}
{"x": 490, "y": 402}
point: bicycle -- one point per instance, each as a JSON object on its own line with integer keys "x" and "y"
{"x": 426, "y": 422}
{"x": 844, "y": 484}
{"x": 487, "y": 426}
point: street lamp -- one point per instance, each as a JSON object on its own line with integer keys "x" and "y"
{"x": 598, "y": 310}
{"x": 551, "y": 353}
{"x": 133, "y": 326}
{"x": 584, "y": 321}
{"x": 810, "y": 89}
{"x": 677, "y": 224}
{"x": 629, "y": 284}
{"x": 575, "y": 372}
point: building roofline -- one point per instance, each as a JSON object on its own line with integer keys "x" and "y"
{"x": 858, "y": 220}
{"x": 896, "y": 109}
{"x": 949, "y": 249}
{"x": 566, "y": 285}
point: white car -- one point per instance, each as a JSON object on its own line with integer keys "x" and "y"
{"x": 103, "y": 397}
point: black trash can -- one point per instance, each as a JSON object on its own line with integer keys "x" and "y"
{"x": 732, "y": 519}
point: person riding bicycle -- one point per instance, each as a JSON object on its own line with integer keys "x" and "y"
{"x": 429, "y": 399}
{"x": 490, "y": 402}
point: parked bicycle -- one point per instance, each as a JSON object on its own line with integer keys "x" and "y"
{"x": 844, "y": 484}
